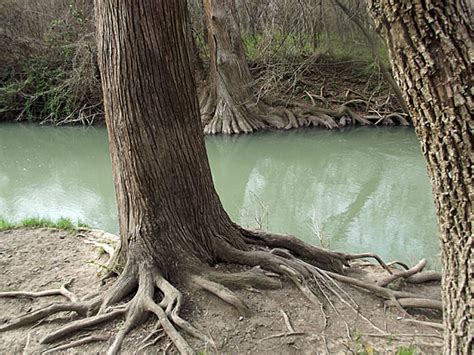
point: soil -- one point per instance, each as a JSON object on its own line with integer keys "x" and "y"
{"x": 39, "y": 259}
{"x": 337, "y": 80}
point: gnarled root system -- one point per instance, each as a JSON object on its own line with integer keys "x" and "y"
{"x": 316, "y": 272}
{"x": 224, "y": 115}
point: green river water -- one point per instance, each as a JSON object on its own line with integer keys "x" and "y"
{"x": 360, "y": 189}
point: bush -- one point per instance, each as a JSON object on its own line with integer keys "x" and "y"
{"x": 48, "y": 62}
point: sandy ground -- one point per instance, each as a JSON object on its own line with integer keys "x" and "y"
{"x": 38, "y": 259}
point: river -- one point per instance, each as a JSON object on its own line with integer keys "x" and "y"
{"x": 356, "y": 190}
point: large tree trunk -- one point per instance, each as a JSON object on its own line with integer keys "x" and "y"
{"x": 155, "y": 139}
{"x": 228, "y": 104}
{"x": 432, "y": 56}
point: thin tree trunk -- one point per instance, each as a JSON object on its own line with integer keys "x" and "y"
{"x": 229, "y": 104}
{"x": 371, "y": 40}
{"x": 432, "y": 57}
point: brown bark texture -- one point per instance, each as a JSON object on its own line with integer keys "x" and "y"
{"x": 165, "y": 195}
{"x": 432, "y": 55}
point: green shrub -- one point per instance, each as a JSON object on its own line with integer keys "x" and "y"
{"x": 37, "y": 222}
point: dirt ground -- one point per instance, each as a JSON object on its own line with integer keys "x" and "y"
{"x": 39, "y": 259}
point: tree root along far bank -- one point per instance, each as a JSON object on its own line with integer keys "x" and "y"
{"x": 274, "y": 255}
{"x": 220, "y": 116}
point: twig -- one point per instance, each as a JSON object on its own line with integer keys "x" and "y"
{"x": 86, "y": 340}
{"x": 150, "y": 343}
{"x": 326, "y": 274}
{"x": 165, "y": 350}
{"x": 326, "y": 344}
{"x": 157, "y": 330}
{"x": 280, "y": 335}
{"x": 25, "y": 350}
{"x": 322, "y": 306}
{"x": 348, "y": 331}
{"x": 287, "y": 321}
{"x": 63, "y": 291}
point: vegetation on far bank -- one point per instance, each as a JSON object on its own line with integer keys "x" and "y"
{"x": 49, "y": 70}
{"x": 37, "y": 222}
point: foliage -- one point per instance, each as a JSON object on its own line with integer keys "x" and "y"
{"x": 48, "y": 67}
{"x": 365, "y": 348}
{"x": 36, "y": 222}
{"x": 406, "y": 350}
{"x": 278, "y": 45}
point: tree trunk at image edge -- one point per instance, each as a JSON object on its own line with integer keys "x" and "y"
{"x": 156, "y": 143}
{"x": 431, "y": 50}
{"x": 228, "y": 104}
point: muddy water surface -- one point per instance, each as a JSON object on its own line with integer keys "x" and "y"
{"x": 356, "y": 190}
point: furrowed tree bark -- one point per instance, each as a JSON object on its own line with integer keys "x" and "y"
{"x": 432, "y": 57}
{"x": 155, "y": 139}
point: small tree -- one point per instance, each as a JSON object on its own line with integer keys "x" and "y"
{"x": 432, "y": 57}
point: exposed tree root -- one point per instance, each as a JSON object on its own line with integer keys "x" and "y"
{"x": 42, "y": 313}
{"x": 222, "y": 292}
{"x": 438, "y": 326}
{"x": 82, "y": 324}
{"x": 424, "y": 277}
{"x": 228, "y": 117}
{"x": 314, "y": 271}
{"x": 417, "y": 303}
{"x": 319, "y": 257}
{"x": 404, "y": 274}
{"x": 284, "y": 335}
{"x": 100, "y": 239}
{"x": 224, "y": 115}
{"x": 54, "y": 292}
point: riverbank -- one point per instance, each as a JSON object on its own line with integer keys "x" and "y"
{"x": 39, "y": 258}
{"x": 49, "y": 72}
{"x": 320, "y": 90}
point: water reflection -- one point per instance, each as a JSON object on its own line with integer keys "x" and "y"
{"x": 56, "y": 172}
{"x": 363, "y": 189}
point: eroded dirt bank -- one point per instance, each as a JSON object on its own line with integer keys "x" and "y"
{"x": 39, "y": 259}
